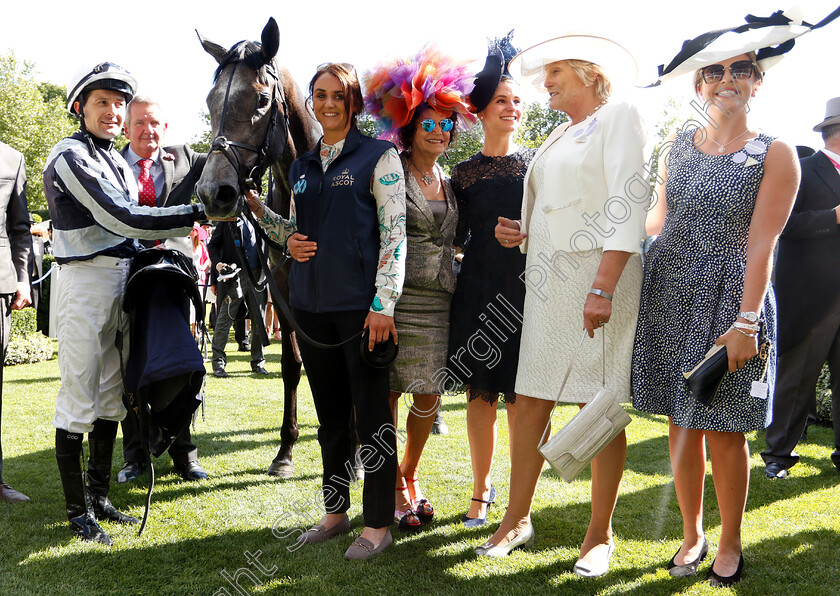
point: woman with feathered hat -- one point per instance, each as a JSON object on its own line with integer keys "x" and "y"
{"x": 724, "y": 193}
{"x": 487, "y": 185}
{"x": 420, "y": 100}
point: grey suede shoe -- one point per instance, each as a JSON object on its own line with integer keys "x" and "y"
{"x": 320, "y": 533}
{"x": 363, "y": 548}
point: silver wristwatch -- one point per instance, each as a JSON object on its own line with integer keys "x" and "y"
{"x": 752, "y": 317}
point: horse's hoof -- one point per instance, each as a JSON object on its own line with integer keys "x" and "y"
{"x": 281, "y": 469}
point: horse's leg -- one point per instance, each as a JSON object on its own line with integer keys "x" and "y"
{"x": 282, "y": 465}
{"x": 290, "y": 365}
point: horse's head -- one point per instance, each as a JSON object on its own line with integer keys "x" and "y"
{"x": 247, "y": 119}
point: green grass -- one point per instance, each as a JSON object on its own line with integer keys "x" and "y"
{"x": 199, "y": 530}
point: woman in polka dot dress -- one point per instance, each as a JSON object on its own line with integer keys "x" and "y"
{"x": 725, "y": 192}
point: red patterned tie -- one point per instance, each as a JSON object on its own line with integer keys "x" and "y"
{"x": 145, "y": 183}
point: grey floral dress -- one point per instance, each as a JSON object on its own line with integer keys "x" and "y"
{"x": 692, "y": 289}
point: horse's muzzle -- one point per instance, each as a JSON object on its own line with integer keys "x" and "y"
{"x": 220, "y": 201}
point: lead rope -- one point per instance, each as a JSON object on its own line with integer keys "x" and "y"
{"x": 276, "y": 296}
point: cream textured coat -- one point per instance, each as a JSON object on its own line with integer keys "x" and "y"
{"x": 597, "y": 195}
{"x": 582, "y": 196}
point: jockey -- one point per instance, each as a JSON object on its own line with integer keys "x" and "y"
{"x": 92, "y": 195}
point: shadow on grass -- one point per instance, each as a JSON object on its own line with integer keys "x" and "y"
{"x": 778, "y": 565}
{"x": 653, "y": 513}
{"x": 255, "y": 561}
{"x": 29, "y": 381}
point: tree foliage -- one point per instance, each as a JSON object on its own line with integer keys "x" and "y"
{"x": 537, "y": 124}
{"x": 32, "y": 120}
{"x": 201, "y": 142}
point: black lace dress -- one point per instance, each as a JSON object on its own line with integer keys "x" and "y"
{"x": 486, "y": 318}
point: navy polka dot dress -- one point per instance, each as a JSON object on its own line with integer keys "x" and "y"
{"x": 693, "y": 283}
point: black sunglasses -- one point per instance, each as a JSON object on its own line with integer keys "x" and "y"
{"x": 743, "y": 69}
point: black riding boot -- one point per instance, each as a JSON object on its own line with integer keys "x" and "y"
{"x": 101, "y": 444}
{"x": 68, "y": 454}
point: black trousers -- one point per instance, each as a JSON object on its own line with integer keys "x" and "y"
{"x": 341, "y": 382}
{"x": 182, "y": 450}
{"x": 797, "y": 373}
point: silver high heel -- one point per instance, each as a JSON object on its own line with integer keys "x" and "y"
{"x": 525, "y": 539}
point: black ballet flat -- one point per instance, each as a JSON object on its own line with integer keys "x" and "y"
{"x": 689, "y": 568}
{"x": 718, "y": 581}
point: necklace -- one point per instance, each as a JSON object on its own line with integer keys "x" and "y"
{"x": 428, "y": 178}
{"x": 596, "y": 108}
{"x": 722, "y": 148}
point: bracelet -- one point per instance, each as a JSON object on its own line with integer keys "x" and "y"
{"x": 747, "y": 326}
{"x": 601, "y": 293}
{"x": 741, "y": 331}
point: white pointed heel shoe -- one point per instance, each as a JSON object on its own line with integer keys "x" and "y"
{"x": 525, "y": 539}
{"x": 595, "y": 568}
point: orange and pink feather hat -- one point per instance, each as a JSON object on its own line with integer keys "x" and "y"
{"x": 397, "y": 87}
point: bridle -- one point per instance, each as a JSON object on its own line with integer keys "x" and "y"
{"x": 230, "y": 149}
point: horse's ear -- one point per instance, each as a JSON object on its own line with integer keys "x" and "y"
{"x": 212, "y": 48}
{"x": 270, "y": 40}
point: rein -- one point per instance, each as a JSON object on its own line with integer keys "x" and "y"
{"x": 276, "y": 295}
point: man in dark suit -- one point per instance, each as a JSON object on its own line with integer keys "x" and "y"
{"x": 15, "y": 244}
{"x": 807, "y": 284}
{"x": 165, "y": 176}
{"x": 232, "y": 294}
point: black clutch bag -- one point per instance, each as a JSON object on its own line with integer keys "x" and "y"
{"x": 705, "y": 378}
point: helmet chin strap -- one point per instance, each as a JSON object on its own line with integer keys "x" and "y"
{"x": 86, "y": 134}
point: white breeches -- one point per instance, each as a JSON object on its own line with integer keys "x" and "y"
{"x": 89, "y": 316}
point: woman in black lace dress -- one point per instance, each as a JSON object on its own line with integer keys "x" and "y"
{"x": 486, "y": 318}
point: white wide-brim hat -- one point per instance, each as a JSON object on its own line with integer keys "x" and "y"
{"x": 832, "y": 114}
{"x": 769, "y": 37}
{"x": 615, "y": 60}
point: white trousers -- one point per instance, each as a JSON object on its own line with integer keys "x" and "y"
{"x": 89, "y": 314}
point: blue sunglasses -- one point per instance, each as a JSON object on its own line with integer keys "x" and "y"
{"x": 429, "y": 125}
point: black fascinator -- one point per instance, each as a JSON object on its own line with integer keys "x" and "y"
{"x": 499, "y": 54}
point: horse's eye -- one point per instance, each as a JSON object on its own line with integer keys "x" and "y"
{"x": 264, "y": 100}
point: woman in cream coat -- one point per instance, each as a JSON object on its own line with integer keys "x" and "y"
{"x": 581, "y": 229}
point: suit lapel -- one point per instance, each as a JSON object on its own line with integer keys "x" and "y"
{"x": 553, "y": 137}
{"x": 450, "y": 219}
{"x": 168, "y": 177}
{"x": 414, "y": 194}
{"x": 528, "y": 197}
{"x": 828, "y": 173}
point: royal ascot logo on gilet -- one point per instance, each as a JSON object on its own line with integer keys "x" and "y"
{"x": 345, "y": 178}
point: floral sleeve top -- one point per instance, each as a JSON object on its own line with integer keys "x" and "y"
{"x": 388, "y": 189}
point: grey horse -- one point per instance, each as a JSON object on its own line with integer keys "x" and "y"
{"x": 259, "y": 120}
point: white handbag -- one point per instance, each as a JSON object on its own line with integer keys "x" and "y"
{"x": 591, "y": 429}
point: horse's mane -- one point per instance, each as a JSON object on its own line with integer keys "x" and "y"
{"x": 249, "y": 52}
